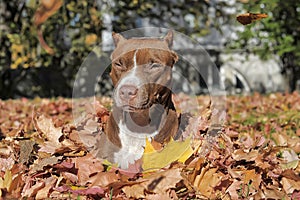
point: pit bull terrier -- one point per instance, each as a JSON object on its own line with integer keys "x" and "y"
{"x": 141, "y": 74}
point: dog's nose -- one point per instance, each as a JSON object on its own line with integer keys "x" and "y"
{"x": 128, "y": 92}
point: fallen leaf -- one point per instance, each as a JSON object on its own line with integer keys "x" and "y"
{"x": 232, "y": 190}
{"x": 250, "y": 176}
{"x": 291, "y": 159}
{"x": 6, "y": 181}
{"x": 240, "y": 154}
{"x": 157, "y": 183}
{"x": 103, "y": 179}
{"x": 31, "y": 192}
{"x": 26, "y": 147}
{"x": 173, "y": 151}
{"x": 135, "y": 191}
{"x": 83, "y": 191}
{"x": 159, "y": 197}
{"x": 290, "y": 174}
{"x": 208, "y": 181}
{"x": 290, "y": 185}
{"x": 162, "y": 181}
{"x": 47, "y": 128}
{"x": 41, "y": 163}
{"x": 87, "y": 165}
{"x": 45, "y": 192}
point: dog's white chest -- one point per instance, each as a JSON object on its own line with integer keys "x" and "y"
{"x": 132, "y": 146}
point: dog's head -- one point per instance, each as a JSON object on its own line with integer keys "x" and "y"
{"x": 142, "y": 71}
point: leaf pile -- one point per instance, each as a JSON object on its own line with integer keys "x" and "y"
{"x": 43, "y": 154}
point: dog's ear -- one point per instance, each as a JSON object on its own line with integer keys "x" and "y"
{"x": 169, "y": 38}
{"x": 117, "y": 38}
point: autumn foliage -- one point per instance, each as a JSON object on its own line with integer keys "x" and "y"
{"x": 255, "y": 155}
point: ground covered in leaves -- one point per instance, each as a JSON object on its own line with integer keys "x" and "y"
{"x": 255, "y": 155}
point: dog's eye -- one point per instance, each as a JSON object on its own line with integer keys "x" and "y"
{"x": 155, "y": 65}
{"x": 119, "y": 65}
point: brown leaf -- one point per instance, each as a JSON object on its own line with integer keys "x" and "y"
{"x": 248, "y": 18}
{"x": 157, "y": 183}
{"x": 135, "y": 191}
{"x": 273, "y": 192}
{"x": 47, "y": 128}
{"x": 41, "y": 163}
{"x": 240, "y": 154}
{"x": 290, "y": 185}
{"x": 290, "y": 174}
{"x": 162, "y": 181}
{"x": 87, "y": 165}
{"x": 233, "y": 189}
{"x": 31, "y": 192}
{"x": 251, "y": 175}
{"x": 208, "y": 180}
{"x": 158, "y": 197}
{"x": 82, "y": 191}
{"x": 26, "y": 147}
{"x": 46, "y": 9}
{"x": 103, "y": 179}
{"x": 45, "y": 192}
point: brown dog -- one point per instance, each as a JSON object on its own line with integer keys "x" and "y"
{"x": 143, "y": 108}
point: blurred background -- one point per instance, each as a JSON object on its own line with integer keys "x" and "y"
{"x": 43, "y": 43}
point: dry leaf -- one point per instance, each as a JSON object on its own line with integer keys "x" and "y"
{"x": 103, "y": 179}
{"x": 290, "y": 185}
{"x": 248, "y": 18}
{"x": 162, "y": 181}
{"x": 87, "y": 165}
{"x": 291, "y": 159}
{"x": 45, "y": 10}
{"x": 240, "y": 154}
{"x": 233, "y": 189}
{"x": 208, "y": 179}
{"x": 26, "y": 147}
{"x": 80, "y": 191}
{"x": 47, "y": 128}
{"x": 6, "y": 181}
{"x": 31, "y": 192}
{"x": 157, "y": 183}
{"x": 135, "y": 191}
{"x": 45, "y": 192}
{"x": 173, "y": 151}
{"x": 40, "y": 164}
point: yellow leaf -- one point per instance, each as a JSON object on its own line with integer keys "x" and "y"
{"x": 109, "y": 164}
{"x": 173, "y": 151}
{"x": 74, "y": 187}
{"x": 6, "y": 182}
{"x": 149, "y": 148}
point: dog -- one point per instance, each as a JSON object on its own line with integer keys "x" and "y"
{"x": 143, "y": 108}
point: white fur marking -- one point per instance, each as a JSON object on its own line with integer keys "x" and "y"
{"x": 132, "y": 146}
{"x": 131, "y": 78}
{"x": 134, "y": 59}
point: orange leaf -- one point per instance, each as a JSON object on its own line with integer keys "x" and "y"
{"x": 248, "y": 18}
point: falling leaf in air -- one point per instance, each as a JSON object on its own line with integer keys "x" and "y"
{"x": 45, "y": 10}
{"x": 248, "y": 18}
